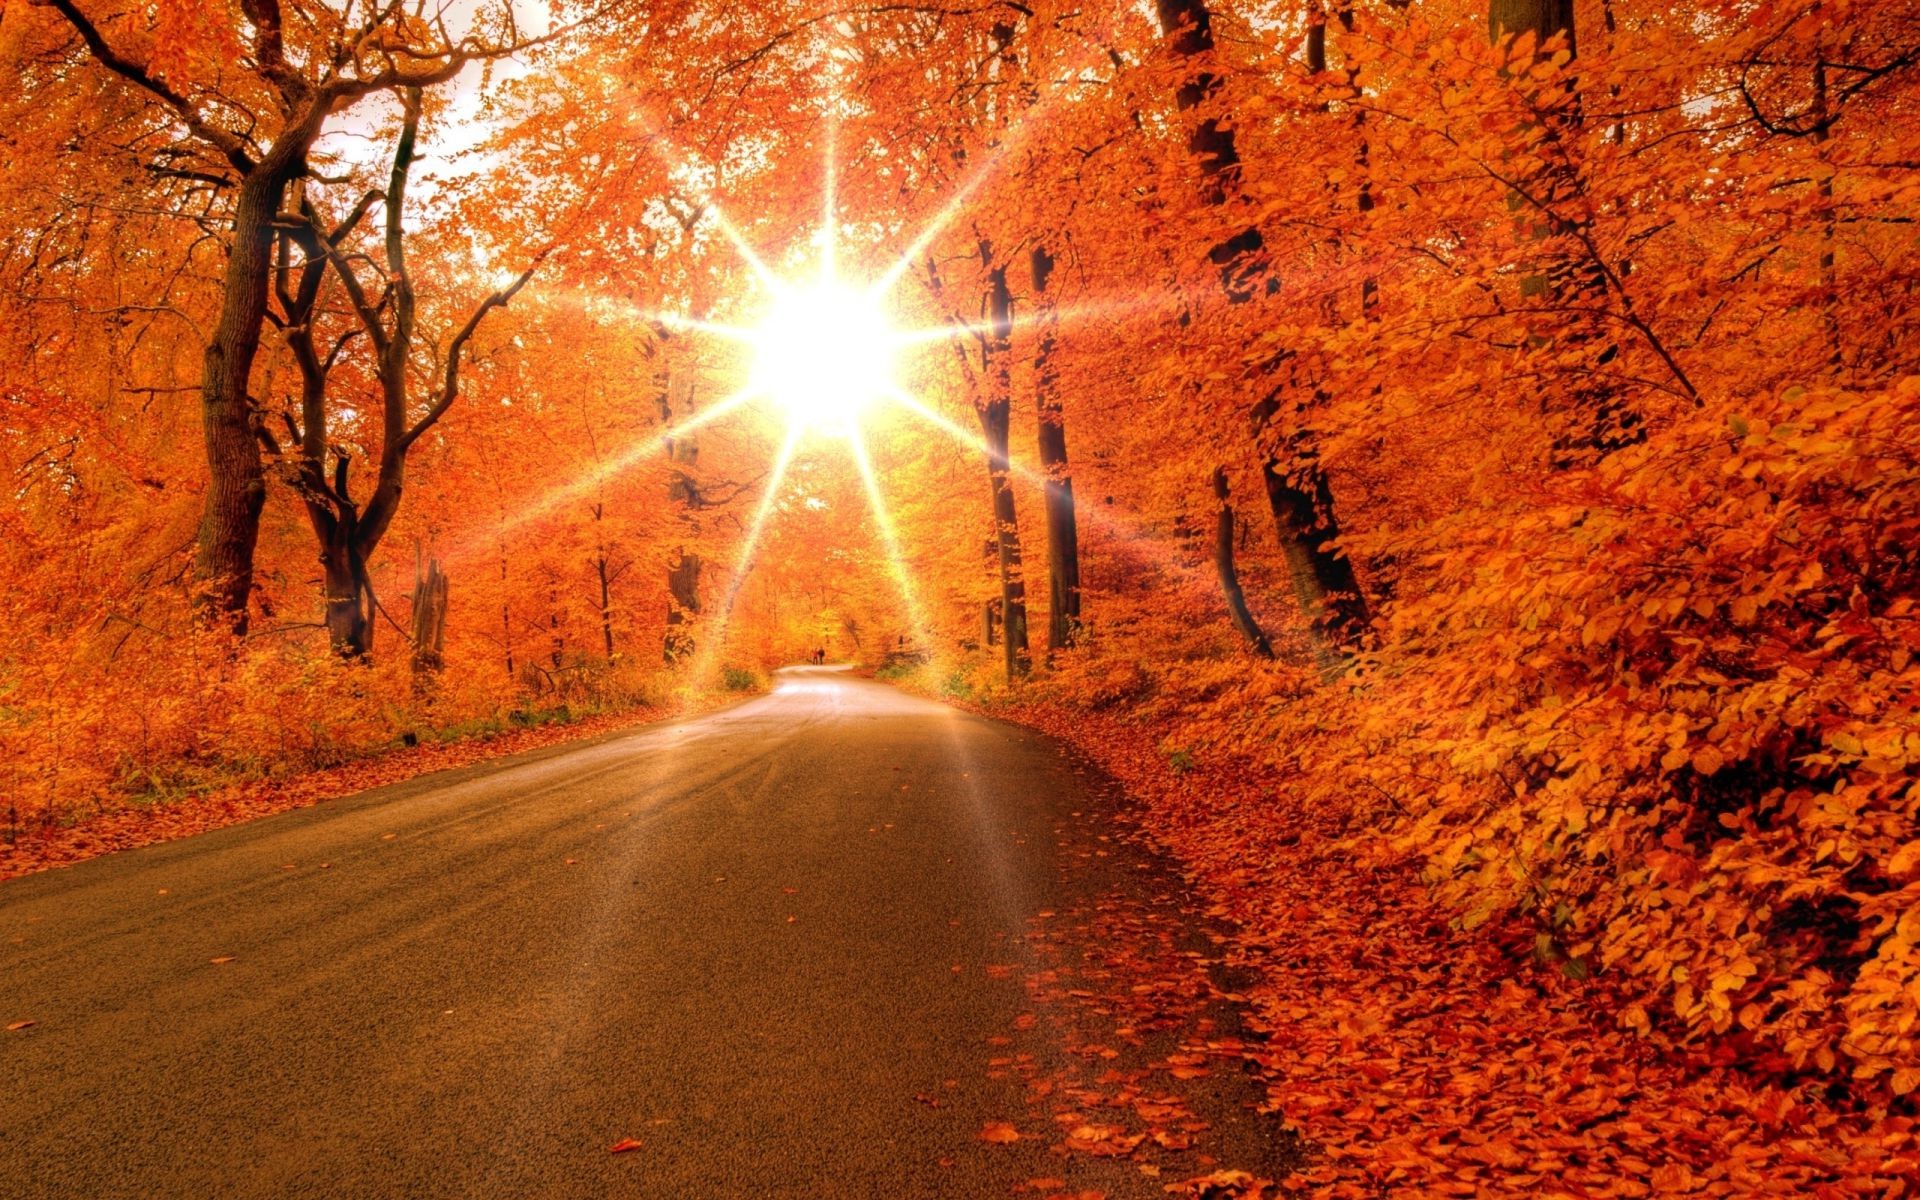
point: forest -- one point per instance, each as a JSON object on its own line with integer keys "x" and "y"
{"x": 1455, "y": 462}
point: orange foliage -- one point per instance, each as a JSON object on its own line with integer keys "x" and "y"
{"x": 1599, "y": 354}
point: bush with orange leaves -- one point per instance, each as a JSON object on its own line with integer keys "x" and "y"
{"x": 1681, "y": 728}
{"x": 1664, "y": 708}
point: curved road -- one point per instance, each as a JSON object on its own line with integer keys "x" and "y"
{"x": 787, "y": 947}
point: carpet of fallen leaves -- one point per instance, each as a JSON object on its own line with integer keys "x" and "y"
{"x": 1413, "y": 1058}
{"x": 1130, "y": 1055}
{"x": 126, "y": 826}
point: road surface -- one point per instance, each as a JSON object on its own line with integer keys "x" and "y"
{"x": 809, "y": 946}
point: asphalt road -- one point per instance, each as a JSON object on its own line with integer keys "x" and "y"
{"x": 787, "y": 947}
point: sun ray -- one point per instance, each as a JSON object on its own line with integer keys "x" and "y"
{"x": 732, "y": 333}
{"x": 1063, "y": 315}
{"x": 830, "y": 214}
{"x": 741, "y": 246}
{"x": 933, "y": 228}
{"x": 681, "y": 164}
{"x": 1014, "y": 134}
{"x": 902, "y": 577}
{"x": 707, "y": 415}
{"x": 574, "y": 488}
{"x": 711, "y": 638}
{"x": 957, "y": 431}
{"x": 1113, "y": 522}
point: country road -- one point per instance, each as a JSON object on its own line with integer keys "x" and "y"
{"x": 808, "y": 946}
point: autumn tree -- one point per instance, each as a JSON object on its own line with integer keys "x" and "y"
{"x": 1299, "y": 490}
{"x": 1063, "y": 532}
{"x": 387, "y": 308}
{"x": 253, "y": 132}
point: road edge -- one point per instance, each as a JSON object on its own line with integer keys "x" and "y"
{"x": 131, "y": 826}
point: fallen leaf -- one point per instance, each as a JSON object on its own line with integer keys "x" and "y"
{"x": 999, "y": 1132}
{"x": 624, "y": 1145}
{"x": 19, "y": 1025}
{"x": 224, "y": 958}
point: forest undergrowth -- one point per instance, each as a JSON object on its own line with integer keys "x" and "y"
{"x": 1425, "y": 1056}
{"x": 215, "y": 756}
{"x": 1592, "y": 872}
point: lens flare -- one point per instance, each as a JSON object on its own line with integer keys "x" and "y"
{"x": 824, "y": 352}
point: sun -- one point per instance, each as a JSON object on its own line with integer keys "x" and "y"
{"x": 824, "y": 352}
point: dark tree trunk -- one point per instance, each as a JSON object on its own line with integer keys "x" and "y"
{"x": 236, "y": 475}
{"x": 506, "y": 614}
{"x": 1230, "y": 574}
{"x": 1063, "y": 538}
{"x": 1362, "y": 150}
{"x": 1323, "y": 580}
{"x": 995, "y": 412}
{"x": 349, "y": 593}
{"x": 1300, "y": 486}
{"x": 604, "y": 571}
{"x": 683, "y": 575}
{"x": 345, "y": 589}
{"x": 606, "y": 605}
{"x": 1829, "y": 276}
{"x": 350, "y": 532}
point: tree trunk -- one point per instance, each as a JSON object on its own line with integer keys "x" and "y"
{"x": 1570, "y": 283}
{"x": 1230, "y": 574}
{"x": 349, "y": 593}
{"x": 1542, "y": 18}
{"x": 236, "y": 477}
{"x": 429, "y": 620}
{"x": 349, "y": 533}
{"x": 345, "y": 589}
{"x": 236, "y": 482}
{"x": 1829, "y": 275}
{"x": 683, "y": 605}
{"x": 506, "y": 613}
{"x": 995, "y": 420}
{"x": 1323, "y": 580}
{"x": 1063, "y": 539}
{"x": 1302, "y": 487}
{"x": 606, "y": 604}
